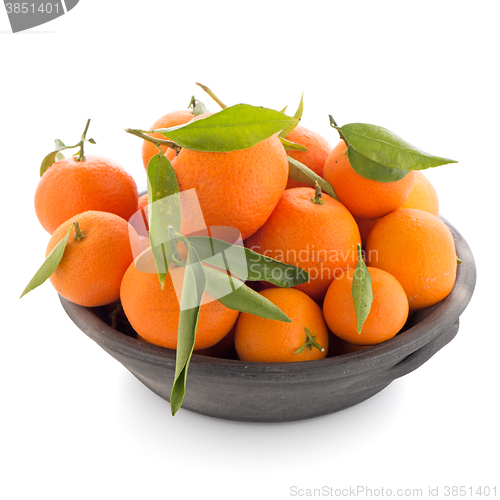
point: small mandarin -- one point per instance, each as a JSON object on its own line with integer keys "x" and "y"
{"x": 423, "y": 196}
{"x": 70, "y": 187}
{"x": 418, "y": 249}
{"x": 171, "y": 119}
{"x": 314, "y": 158}
{"x": 363, "y": 197}
{"x": 267, "y": 340}
{"x": 388, "y": 313}
{"x": 238, "y": 189}
{"x": 154, "y": 313}
{"x": 92, "y": 266}
{"x": 320, "y": 238}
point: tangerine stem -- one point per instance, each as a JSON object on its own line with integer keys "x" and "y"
{"x": 317, "y": 195}
{"x": 310, "y": 342}
{"x": 81, "y": 156}
{"x": 78, "y": 232}
{"x": 212, "y": 95}
{"x": 143, "y": 134}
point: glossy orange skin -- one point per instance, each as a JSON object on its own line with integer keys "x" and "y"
{"x": 423, "y": 196}
{"x": 154, "y": 313}
{"x": 321, "y": 239}
{"x": 388, "y": 313}
{"x": 318, "y": 149}
{"x": 91, "y": 269}
{"x": 238, "y": 189}
{"x": 70, "y": 187}
{"x": 418, "y": 249}
{"x": 364, "y": 197}
{"x": 267, "y": 340}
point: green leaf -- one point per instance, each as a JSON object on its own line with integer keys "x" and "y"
{"x": 384, "y": 147}
{"x": 49, "y": 160}
{"x": 292, "y": 146}
{"x": 164, "y": 212}
{"x": 236, "y": 127}
{"x": 193, "y": 288}
{"x": 54, "y": 156}
{"x": 242, "y": 298}
{"x": 247, "y": 264}
{"x": 300, "y": 109}
{"x": 298, "y": 115}
{"x": 300, "y": 173}
{"x": 362, "y": 293}
{"x": 371, "y": 169}
{"x": 50, "y": 264}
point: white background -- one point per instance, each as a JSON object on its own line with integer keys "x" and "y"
{"x": 74, "y": 423}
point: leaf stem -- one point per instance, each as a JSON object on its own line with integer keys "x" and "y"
{"x": 360, "y": 253}
{"x": 143, "y": 134}
{"x": 334, "y": 125}
{"x": 212, "y": 95}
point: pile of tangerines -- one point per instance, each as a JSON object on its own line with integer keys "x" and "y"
{"x": 391, "y": 230}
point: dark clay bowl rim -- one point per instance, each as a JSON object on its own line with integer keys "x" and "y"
{"x": 348, "y": 365}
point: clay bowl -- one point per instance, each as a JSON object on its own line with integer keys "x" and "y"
{"x": 279, "y": 392}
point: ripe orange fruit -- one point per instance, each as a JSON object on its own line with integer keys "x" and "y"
{"x": 267, "y": 340}
{"x": 388, "y": 312}
{"x": 154, "y": 313}
{"x": 70, "y": 187}
{"x": 418, "y": 249}
{"x": 238, "y": 189}
{"x": 315, "y": 157}
{"x": 364, "y": 197}
{"x": 423, "y": 196}
{"x": 91, "y": 269}
{"x": 319, "y": 238}
{"x": 171, "y": 119}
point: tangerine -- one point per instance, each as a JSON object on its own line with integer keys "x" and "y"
{"x": 314, "y": 158}
{"x": 171, "y": 119}
{"x": 423, "y": 196}
{"x": 363, "y": 197}
{"x": 154, "y": 313}
{"x": 319, "y": 238}
{"x": 238, "y": 189}
{"x": 95, "y": 259}
{"x": 388, "y": 313}
{"x": 266, "y": 340}
{"x": 418, "y": 249}
{"x": 70, "y": 187}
